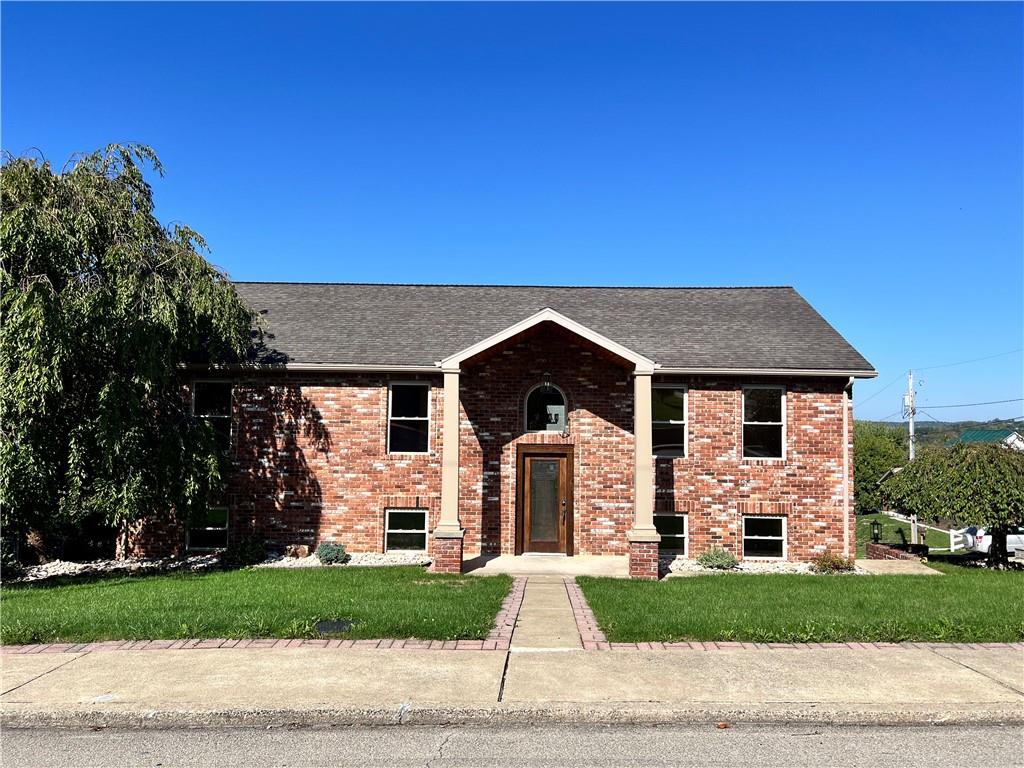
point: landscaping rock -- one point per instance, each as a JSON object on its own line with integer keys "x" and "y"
{"x": 359, "y": 559}
{"x": 686, "y": 567}
{"x": 65, "y": 568}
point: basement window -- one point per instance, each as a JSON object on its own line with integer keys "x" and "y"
{"x": 764, "y": 537}
{"x": 668, "y": 419}
{"x": 405, "y": 530}
{"x": 673, "y": 528}
{"x": 764, "y": 422}
{"x": 408, "y": 417}
{"x": 208, "y": 530}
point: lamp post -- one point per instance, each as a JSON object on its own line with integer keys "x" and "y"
{"x": 876, "y": 531}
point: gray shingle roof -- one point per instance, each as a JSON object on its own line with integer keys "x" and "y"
{"x": 417, "y": 325}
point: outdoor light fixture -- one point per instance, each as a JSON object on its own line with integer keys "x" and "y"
{"x": 545, "y": 379}
{"x": 876, "y": 531}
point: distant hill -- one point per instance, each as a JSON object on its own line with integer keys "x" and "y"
{"x": 940, "y": 432}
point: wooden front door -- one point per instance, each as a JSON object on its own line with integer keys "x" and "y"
{"x": 545, "y": 499}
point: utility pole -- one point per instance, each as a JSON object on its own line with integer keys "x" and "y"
{"x": 910, "y": 411}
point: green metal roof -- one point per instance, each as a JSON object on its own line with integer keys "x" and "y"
{"x": 984, "y": 435}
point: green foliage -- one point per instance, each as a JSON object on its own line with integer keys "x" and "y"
{"x": 718, "y": 558}
{"x": 257, "y": 602}
{"x": 330, "y": 553}
{"x": 101, "y": 304}
{"x": 247, "y": 551}
{"x": 979, "y": 485}
{"x": 877, "y": 448}
{"x": 829, "y": 562}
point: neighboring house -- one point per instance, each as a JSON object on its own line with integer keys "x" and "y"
{"x": 1008, "y": 437}
{"x": 605, "y": 421}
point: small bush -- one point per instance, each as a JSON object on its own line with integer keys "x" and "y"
{"x": 828, "y": 562}
{"x": 330, "y": 553}
{"x": 248, "y": 551}
{"x": 718, "y": 558}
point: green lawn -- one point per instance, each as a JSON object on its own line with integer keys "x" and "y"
{"x": 383, "y": 602}
{"x": 890, "y": 533}
{"x": 964, "y": 605}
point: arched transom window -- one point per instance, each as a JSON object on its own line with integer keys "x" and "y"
{"x": 545, "y": 409}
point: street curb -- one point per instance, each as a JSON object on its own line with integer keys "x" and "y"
{"x": 409, "y": 715}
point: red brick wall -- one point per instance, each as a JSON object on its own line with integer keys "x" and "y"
{"x": 716, "y": 486}
{"x": 600, "y": 406}
{"x": 310, "y": 460}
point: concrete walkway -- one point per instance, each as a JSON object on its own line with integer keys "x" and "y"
{"x": 897, "y": 568}
{"x": 546, "y": 619}
{"x": 528, "y": 684}
{"x": 548, "y": 565}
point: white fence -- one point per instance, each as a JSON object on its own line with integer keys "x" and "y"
{"x": 955, "y": 539}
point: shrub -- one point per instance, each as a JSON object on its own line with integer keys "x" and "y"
{"x": 718, "y": 558}
{"x": 828, "y": 562}
{"x": 248, "y": 551}
{"x": 330, "y": 553}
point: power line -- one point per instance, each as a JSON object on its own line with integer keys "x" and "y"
{"x": 974, "y": 360}
{"x": 968, "y": 405}
{"x": 869, "y": 399}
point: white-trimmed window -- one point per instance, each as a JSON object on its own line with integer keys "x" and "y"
{"x": 405, "y": 530}
{"x": 764, "y": 537}
{"x": 764, "y": 422}
{"x": 211, "y": 402}
{"x": 668, "y": 419}
{"x": 408, "y": 417}
{"x": 545, "y": 409}
{"x": 208, "y": 530}
{"x": 674, "y": 530}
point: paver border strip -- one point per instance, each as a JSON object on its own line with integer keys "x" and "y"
{"x": 498, "y": 639}
{"x": 591, "y": 636}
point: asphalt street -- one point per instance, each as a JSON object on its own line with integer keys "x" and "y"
{"x": 555, "y": 745}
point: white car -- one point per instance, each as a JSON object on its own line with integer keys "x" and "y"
{"x": 978, "y": 540}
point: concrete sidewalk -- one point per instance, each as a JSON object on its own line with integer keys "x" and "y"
{"x": 525, "y": 684}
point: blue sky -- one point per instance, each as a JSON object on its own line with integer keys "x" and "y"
{"x": 870, "y": 155}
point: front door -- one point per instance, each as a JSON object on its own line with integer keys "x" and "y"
{"x": 545, "y": 480}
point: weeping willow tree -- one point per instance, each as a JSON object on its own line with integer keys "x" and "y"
{"x": 101, "y": 304}
{"x": 980, "y": 485}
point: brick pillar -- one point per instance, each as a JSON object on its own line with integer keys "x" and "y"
{"x": 447, "y": 555}
{"x": 643, "y": 560}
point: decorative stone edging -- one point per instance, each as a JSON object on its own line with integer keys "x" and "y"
{"x": 594, "y": 639}
{"x": 590, "y": 634}
{"x": 499, "y": 639}
{"x": 732, "y": 646}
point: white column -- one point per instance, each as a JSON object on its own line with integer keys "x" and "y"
{"x": 643, "y": 493}
{"x": 448, "y": 526}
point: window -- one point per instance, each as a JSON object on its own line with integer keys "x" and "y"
{"x": 764, "y": 427}
{"x": 408, "y": 418}
{"x": 673, "y": 528}
{"x": 209, "y": 529}
{"x": 668, "y": 417}
{"x": 211, "y": 402}
{"x": 405, "y": 530}
{"x": 545, "y": 409}
{"x": 764, "y": 537}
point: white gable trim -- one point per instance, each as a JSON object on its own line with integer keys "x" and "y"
{"x": 642, "y": 364}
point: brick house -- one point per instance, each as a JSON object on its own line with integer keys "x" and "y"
{"x": 605, "y": 421}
